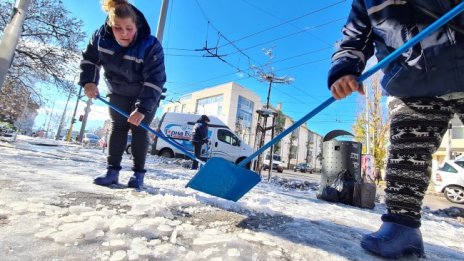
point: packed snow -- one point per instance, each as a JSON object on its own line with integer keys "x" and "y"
{"x": 51, "y": 210}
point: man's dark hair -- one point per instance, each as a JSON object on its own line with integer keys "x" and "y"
{"x": 204, "y": 118}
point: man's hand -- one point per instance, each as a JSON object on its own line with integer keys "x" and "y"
{"x": 91, "y": 90}
{"x": 136, "y": 118}
{"x": 345, "y": 86}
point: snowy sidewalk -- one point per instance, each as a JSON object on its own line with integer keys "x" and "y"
{"x": 50, "y": 210}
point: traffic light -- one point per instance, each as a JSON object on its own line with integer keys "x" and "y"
{"x": 73, "y": 120}
{"x": 81, "y": 117}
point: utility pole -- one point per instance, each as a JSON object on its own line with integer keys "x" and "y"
{"x": 58, "y": 133}
{"x": 263, "y": 114}
{"x": 73, "y": 118}
{"x": 50, "y": 119}
{"x": 11, "y": 36}
{"x": 448, "y": 145}
{"x": 162, "y": 20}
{"x": 84, "y": 120}
{"x": 368, "y": 145}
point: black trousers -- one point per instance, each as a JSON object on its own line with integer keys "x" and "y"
{"x": 119, "y": 130}
{"x": 197, "y": 151}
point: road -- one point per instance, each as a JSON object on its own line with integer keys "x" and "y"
{"x": 432, "y": 200}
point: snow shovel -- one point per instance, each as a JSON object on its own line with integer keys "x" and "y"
{"x": 221, "y": 178}
{"x": 158, "y": 134}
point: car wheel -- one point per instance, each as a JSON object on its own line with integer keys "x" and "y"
{"x": 167, "y": 153}
{"x": 129, "y": 149}
{"x": 455, "y": 194}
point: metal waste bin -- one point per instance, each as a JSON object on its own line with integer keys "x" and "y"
{"x": 338, "y": 156}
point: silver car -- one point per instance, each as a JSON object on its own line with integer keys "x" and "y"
{"x": 449, "y": 180}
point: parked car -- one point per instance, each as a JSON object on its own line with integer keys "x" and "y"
{"x": 90, "y": 140}
{"x": 449, "y": 180}
{"x": 277, "y": 163}
{"x": 303, "y": 167}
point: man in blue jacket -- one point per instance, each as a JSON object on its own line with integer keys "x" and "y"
{"x": 199, "y": 137}
{"x": 133, "y": 60}
{"x": 425, "y": 87}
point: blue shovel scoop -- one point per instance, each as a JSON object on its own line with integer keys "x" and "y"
{"x": 221, "y": 178}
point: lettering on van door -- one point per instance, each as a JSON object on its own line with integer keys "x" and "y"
{"x": 177, "y": 131}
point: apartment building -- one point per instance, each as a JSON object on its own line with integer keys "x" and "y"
{"x": 453, "y": 141}
{"x": 236, "y": 106}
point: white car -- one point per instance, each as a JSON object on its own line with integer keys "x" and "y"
{"x": 449, "y": 179}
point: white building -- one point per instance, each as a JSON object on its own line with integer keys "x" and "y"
{"x": 236, "y": 106}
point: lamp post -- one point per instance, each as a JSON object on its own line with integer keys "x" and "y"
{"x": 11, "y": 36}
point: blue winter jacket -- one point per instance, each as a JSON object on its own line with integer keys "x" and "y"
{"x": 434, "y": 67}
{"x": 200, "y": 131}
{"x": 134, "y": 71}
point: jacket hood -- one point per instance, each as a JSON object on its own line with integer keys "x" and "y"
{"x": 143, "y": 29}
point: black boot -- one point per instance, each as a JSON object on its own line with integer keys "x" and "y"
{"x": 111, "y": 177}
{"x": 136, "y": 181}
{"x": 394, "y": 240}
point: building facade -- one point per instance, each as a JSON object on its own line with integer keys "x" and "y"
{"x": 452, "y": 141}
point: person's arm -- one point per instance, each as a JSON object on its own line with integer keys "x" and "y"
{"x": 90, "y": 64}
{"x": 154, "y": 76}
{"x": 356, "y": 47}
{"x": 205, "y": 133}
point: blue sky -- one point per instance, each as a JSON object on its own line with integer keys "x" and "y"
{"x": 302, "y": 35}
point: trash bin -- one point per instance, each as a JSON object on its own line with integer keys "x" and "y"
{"x": 338, "y": 156}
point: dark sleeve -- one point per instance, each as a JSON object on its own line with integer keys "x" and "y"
{"x": 205, "y": 131}
{"x": 154, "y": 78}
{"x": 90, "y": 64}
{"x": 356, "y": 47}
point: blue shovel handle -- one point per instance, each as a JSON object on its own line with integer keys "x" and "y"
{"x": 416, "y": 39}
{"x": 158, "y": 134}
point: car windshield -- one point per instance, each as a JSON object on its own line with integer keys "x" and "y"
{"x": 274, "y": 157}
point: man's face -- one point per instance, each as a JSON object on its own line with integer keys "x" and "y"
{"x": 124, "y": 30}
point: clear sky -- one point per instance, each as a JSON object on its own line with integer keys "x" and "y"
{"x": 302, "y": 35}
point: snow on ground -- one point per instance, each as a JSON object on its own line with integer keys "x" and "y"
{"x": 50, "y": 210}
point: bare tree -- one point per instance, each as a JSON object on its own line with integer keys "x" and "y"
{"x": 378, "y": 122}
{"x": 47, "y": 52}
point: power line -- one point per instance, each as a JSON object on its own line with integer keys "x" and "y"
{"x": 286, "y": 22}
{"x": 289, "y": 35}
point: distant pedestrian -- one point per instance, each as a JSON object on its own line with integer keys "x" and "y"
{"x": 377, "y": 175}
{"x": 199, "y": 137}
{"x": 133, "y": 60}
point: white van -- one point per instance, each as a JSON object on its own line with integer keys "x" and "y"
{"x": 277, "y": 163}
{"x": 223, "y": 143}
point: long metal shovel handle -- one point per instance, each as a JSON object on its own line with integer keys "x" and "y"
{"x": 158, "y": 134}
{"x": 416, "y": 39}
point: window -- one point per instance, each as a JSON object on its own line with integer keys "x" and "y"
{"x": 244, "y": 112}
{"x": 210, "y": 105}
{"x": 457, "y": 132}
{"x": 460, "y": 163}
{"x": 228, "y": 137}
{"x": 275, "y": 157}
{"x": 448, "y": 168}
